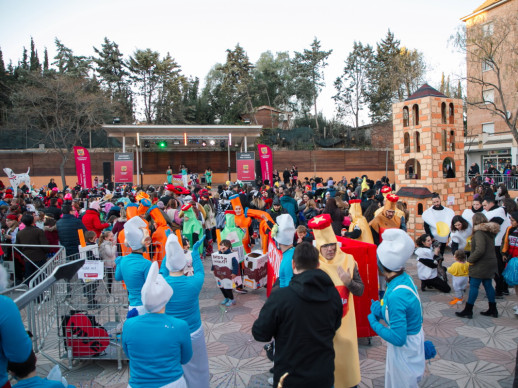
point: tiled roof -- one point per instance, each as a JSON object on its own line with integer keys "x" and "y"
{"x": 414, "y": 192}
{"x": 425, "y": 91}
{"x": 486, "y": 4}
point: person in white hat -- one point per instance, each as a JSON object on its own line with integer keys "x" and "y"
{"x": 284, "y": 237}
{"x": 156, "y": 344}
{"x": 185, "y": 305}
{"x": 401, "y": 310}
{"x": 133, "y": 268}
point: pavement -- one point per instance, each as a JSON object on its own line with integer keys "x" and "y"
{"x": 478, "y": 352}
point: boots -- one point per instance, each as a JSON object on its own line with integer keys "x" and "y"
{"x": 492, "y": 311}
{"x": 467, "y": 312}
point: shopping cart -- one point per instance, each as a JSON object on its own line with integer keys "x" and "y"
{"x": 91, "y": 316}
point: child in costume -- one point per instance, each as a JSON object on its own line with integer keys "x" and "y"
{"x": 459, "y": 274}
{"x": 225, "y": 247}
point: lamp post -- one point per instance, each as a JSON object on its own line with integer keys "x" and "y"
{"x": 228, "y": 148}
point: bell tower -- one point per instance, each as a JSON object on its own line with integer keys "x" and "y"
{"x": 428, "y": 153}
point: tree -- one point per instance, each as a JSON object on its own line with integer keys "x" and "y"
{"x": 492, "y": 58}
{"x": 45, "y": 60}
{"x": 68, "y": 63}
{"x": 34, "y": 64}
{"x": 352, "y": 85}
{"x": 61, "y": 107}
{"x": 309, "y": 76}
{"x": 170, "y": 108}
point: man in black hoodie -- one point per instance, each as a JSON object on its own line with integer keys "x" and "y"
{"x": 303, "y": 319}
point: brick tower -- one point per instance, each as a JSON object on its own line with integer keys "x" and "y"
{"x": 428, "y": 153}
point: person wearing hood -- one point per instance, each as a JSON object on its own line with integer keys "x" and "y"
{"x": 133, "y": 268}
{"x": 290, "y": 205}
{"x": 156, "y": 344}
{"x": 476, "y": 207}
{"x": 303, "y": 318}
{"x": 92, "y": 220}
{"x": 185, "y": 305}
{"x": 283, "y": 235}
{"x": 437, "y": 220}
{"x": 483, "y": 265}
{"x": 343, "y": 271}
{"x": 402, "y": 311}
{"x": 276, "y": 209}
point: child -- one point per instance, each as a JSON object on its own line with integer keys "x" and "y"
{"x": 91, "y": 286}
{"x": 108, "y": 254}
{"x": 459, "y": 274}
{"x": 225, "y": 247}
{"x": 188, "y": 270}
{"x": 302, "y": 235}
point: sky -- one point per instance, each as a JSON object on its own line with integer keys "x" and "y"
{"x": 197, "y": 32}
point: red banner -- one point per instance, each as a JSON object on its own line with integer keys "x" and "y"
{"x": 83, "y": 167}
{"x": 123, "y": 167}
{"x": 245, "y": 165}
{"x": 266, "y": 158}
{"x": 274, "y": 263}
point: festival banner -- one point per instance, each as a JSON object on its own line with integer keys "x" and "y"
{"x": 245, "y": 165}
{"x": 83, "y": 167}
{"x": 266, "y": 159}
{"x": 274, "y": 263}
{"x": 123, "y": 167}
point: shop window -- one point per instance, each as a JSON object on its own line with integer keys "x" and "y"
{"x": 419, "y": 209}
{"x": 417, "y": 141}
{"x": 452, "y": 140}
{"x": 415, "y": 112}
{"x": 452, "y": 114}
{"x": 443, "y": 113}
{"x": 413, "y": 169}
{"x": 448, "y": 168}
{"x": 444, "y": 140}
{"x": 406, "y": 117}
{"x": 407, "y": 143}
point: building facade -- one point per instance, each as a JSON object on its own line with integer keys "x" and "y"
{"x": 491, "y": 69}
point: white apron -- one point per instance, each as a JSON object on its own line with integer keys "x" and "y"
{"x": 404, "y": 367}
{"x": 196, "y": 371}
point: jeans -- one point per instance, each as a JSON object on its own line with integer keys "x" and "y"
{"x": 474, "y": 284}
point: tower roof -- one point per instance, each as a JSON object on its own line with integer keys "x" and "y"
{"x": 425, "y": 91}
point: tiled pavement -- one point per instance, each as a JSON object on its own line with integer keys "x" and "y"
{"x": 478, "y": 352}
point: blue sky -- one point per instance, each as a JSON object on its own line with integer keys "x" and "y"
{"x": 197, "y": 32}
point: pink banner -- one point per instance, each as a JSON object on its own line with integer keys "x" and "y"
{"x": 83, "y": 167}
{"x": 266, "y": 158}
{"x": 274, "y": 264}
{"x": 123, "y": 167}
{"x": 245, "y": 166}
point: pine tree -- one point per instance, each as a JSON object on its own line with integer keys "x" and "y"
{"x": 24, "y": 65}
{"x": 34, "y": 60}
{"x": 458, "y": 91}
{"x": 442, "y": 88}
{"x": 2, "y": 65}
{"x": 45, "y": 60}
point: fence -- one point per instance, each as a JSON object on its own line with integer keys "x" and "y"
{"x": 510, "y": 181}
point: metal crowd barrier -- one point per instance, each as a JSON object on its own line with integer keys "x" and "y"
{"x": 510, "y": 181}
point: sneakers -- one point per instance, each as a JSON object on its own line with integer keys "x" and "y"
{"x": 499, "y": 296}
{"x": 230, "y": 302}
{"x": 515, "y": 308}
{"x": 225, "y": 301}
{"x": 456, "y": 301}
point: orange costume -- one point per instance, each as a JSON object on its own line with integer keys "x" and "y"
{"x": 241, "y": 220}
{"x": 132, "y": 210}
{"x": 159, "y": 237}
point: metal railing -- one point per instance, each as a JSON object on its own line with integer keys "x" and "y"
{"x": 510, "y": 181}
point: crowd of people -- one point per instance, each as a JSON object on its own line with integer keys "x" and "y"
{"x": 156, "y": 238}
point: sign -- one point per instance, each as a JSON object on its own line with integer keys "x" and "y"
{"x": 83, "y": 167}
{"x": 266, "y": 159}
{"x": 91, "y": 270}
{"x": 451, "y": 200}
{"x": 222, "y": 267}
{"x": 123, "y": 166}
{"x": 245, "y": 165}
{"x": 255, "y": 270}
{"x": 274, "y": 263}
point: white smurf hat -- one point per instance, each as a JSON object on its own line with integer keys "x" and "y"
{"x": 395, "y": 249}
{"x": 286, "y": 230}
{"x": 175, "y": 256}
{"x": 156, "y": 292}
{"x": 133, "y": 233}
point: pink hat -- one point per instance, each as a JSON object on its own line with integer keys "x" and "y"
{"x": 55, "y": 189}
{"x": 68, "y": 197}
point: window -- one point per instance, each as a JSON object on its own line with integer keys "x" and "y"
{"x": 488, "y": 96}
{"x": 487, "y": 65}
{"x": 417, "y": 142}
{"x": 443, "y": 113}
{"x": 407, "y": 143}
{"x": 419, "y": 209}
{"x": 415, "y": 112}
{"x": 448, "y": 168}
{"x": 444, "y": 140}
{"x": 487, "y": 29}
{"x": 452, "y": 113}
{"x": 452, "y": 140}
{"x": 413, "y": 169}
{"x": 406, "y": 119}
{"x": 488, "y": 128}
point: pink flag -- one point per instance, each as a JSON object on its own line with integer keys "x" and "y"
{"x": 83, "y": 167}
{"x": 266, "y": 158}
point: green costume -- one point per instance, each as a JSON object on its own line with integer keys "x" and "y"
{"x": 230, "y": 226}
{"x": 192, "y": 226}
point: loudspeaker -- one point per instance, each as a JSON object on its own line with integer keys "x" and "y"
{"x": 258, "y": 172}
{"x": 107, "y": 172}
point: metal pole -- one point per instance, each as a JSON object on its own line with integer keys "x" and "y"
{"x": 229, "y": 174}
{"x": 138, "y": 167}
{"x": 246, "y": 144}
{"x": 141, "y": 167}
{"x": 123, "y": 143}
{"x": 386, "y": 163}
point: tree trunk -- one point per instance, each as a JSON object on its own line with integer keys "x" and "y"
{"x": 64, "y": 158}
{"x": 316, "y": 116}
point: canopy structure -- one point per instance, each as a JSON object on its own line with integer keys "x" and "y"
{"x": 185, "y": 137}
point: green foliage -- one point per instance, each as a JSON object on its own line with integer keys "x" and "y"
{"x": 34, "y": 60}
{"x": 68, "y": 63}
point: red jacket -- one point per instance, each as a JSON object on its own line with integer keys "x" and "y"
{"x": 92, "y": 221}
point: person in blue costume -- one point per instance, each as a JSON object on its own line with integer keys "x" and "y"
{"x": 402, "y": 312}
{"x": 156, "y": 344}
{"x": 185, "y": 305}
{"x": 133, "y": 268}
{"x": 284, "y": 233}
{"x": 16, "y": 346}
{"x": 25, "y": 373}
